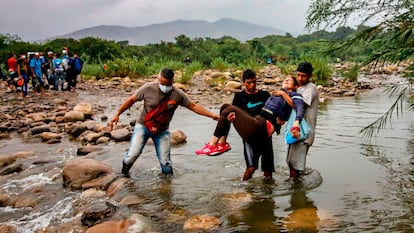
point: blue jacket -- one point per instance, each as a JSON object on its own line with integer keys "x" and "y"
{"x": 276, "y": 106}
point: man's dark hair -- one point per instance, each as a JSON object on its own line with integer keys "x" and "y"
{"x": 305, "y": 67}
{"x": 248, "y": 74}
{"x": 167, "y": 73}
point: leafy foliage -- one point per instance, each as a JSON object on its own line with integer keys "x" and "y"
{"x": 389, "y": 40}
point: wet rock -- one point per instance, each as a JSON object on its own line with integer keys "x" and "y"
{"x": 132, "y": 200}
{"x": 116, "y": 190}
{"x": 6, "y": 160}
{"x": 40, "y": 129}
{"x": 59, "y": 101}
{"x": 4, "y": 200}
{"x": 101, "y": 183}
{"x": 102, "y": 140}
{"x": 84, "y": 150}
{"x": 97, "y": 213}
{"x": 178, "y": 137}
{"x": 85, "y": 108}
{"x": 79, "y": 171}
{"x": 121, "y": 135}
{"x": 92, "y": 137}
{"x": 201, "y": 223}
{"x": 37, "y": 116}
{"x": 4, "y": 135}
{"x": 12, "y": 168}
{"x": 24, "y": 200}
{"x": 8, "y": 229}
{"x": 73, "y": 116}
{"x": 76, "y": 129}
{"x": 111, "y": 227}
{"x": 48, "y": 136}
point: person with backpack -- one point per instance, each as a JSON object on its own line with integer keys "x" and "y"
{"x": 59, "y": 72}
{"x": 78, "y": 68}
{"x": 70, "y": 73}
{"x": 155, "y": 94}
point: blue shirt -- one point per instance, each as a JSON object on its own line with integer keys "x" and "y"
{"x": 36, "y": 65}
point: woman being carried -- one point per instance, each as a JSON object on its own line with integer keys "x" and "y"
{"x": 255, "y": 130}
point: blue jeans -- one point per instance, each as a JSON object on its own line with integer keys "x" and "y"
{"x": 25, "y": 84}
{"x": 59, "y": 80}
{"x": 162, "y": 145}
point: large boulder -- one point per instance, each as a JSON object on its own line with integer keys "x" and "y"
{"x": 81, "y": 170}
{"x": 85, "y": 108}
{"x": 73, "y": 116}
{"x": 121, "y": 135}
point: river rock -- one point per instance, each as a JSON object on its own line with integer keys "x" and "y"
{"x": 12, "y": 168}
{"x": 47, "y": 136}
{"x": 8, "y": 229}
{"x": 92, "y": 137}
{"x": 76, "y": 129}
{"x": 101, "y": 182}
{"x": 97, "y": 213}
{"x": 59, "y": 101}
{"x": 102, "y": 140}
{"x": 111, "y": 227}
{"x": 85, "y": 108}
{"x": 73, "y": 116}
{"x": 84, "y": 150}
{"x": 116, "y": 190}
{"x": 233, "y": 85}
{"x": 201, "y": 223}
{"x": 4, "y": 200}
{"x": 121, "y": 135}
{"x": 24, "y": 200}
{"x": 40, "y": 129}
{"x": 178, "y": 137}
{"x": 6, "y": 160}
{"x": 80, "y": 170}
{"x": 37, "y": 116}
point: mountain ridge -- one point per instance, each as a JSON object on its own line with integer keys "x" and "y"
{"x": 155, "y": 33}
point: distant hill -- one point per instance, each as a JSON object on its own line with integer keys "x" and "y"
{"x": 168, "y": 31}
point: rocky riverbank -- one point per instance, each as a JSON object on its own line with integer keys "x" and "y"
{"x": 79, "y": 119}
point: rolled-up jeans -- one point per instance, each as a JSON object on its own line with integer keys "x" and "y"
{"x": 162, "y": 146}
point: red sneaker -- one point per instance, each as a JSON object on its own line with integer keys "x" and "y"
{"x": 223, "y": 147}
{"x": 208, "y": 150}
{"x": 270, "y": 128}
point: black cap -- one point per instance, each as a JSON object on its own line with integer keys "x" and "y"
{"x": 305, "y": 67}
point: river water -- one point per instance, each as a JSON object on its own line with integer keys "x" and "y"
{"x": 354, "y": 185}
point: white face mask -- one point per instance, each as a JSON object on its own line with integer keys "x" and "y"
{"x": 165, "y": 88}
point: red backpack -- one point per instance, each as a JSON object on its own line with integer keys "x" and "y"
{"x": 157, "y": 120}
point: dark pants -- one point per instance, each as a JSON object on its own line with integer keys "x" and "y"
{"x": 253, "y": 131}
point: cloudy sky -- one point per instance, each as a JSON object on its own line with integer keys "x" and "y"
{"x": 40, "y": 19}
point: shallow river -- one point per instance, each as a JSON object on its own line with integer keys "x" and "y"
{"x": 355, "y": 185}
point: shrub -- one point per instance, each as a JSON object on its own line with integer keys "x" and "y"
{"x": 352, "y": 74}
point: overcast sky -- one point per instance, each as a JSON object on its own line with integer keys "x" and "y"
{"x": 40, "y": 19}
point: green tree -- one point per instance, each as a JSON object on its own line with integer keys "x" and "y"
{"x": 391, "y": 38}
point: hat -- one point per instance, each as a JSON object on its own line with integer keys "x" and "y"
{"x": 50, "y": 52}
{"x": 305, "y": 67}
{"x": 36, "y": 53}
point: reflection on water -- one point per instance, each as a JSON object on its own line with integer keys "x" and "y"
{"x": 354, "y": 185}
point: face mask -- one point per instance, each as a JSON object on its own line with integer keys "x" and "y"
{"x": 23, "y": 57}
{"x": 165, "y": 88}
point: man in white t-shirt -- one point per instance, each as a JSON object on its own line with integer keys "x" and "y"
{"x": 297, "y": 152}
